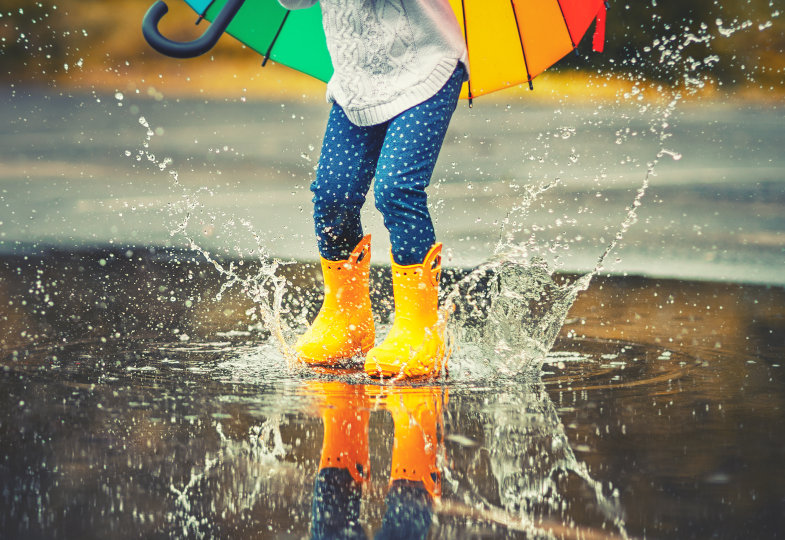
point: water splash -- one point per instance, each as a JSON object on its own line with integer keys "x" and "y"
{"x": 264, "y": 286}
{"x": 186, "y": 522}
{"x": 538, "y": 481}
{"x": 505, "y": 315}
{"x": 531, "y": 458}
{"x": 250, "y": 465}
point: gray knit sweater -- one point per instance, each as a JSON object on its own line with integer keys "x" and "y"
{"x": 388, "y": 55}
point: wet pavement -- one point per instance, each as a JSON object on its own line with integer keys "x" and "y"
{"x": 79, "y": 170}
{"x": 137, "y": 404}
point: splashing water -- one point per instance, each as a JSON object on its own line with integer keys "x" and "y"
{"x": 505, "y": 315}
{"x": 256, "y": 457}
{"x": 530, "y": 457}
{"x": 266, "y": 288}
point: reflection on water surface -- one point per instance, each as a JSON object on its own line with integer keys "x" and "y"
{"x": 136, "y": 405}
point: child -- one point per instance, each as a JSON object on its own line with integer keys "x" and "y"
{"x": 399, "y": 66}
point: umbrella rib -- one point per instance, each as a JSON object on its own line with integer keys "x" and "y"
{"x": 523, "y": 51}
{"x": 567, "y": 26}
{"x": 275, "y": 38}
{"x": 466, "y": 39}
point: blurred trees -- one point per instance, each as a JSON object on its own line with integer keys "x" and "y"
{"x": 46, "y": 39}
{"x": 746, "y": 36}
{"x": 39, "y": 38}
{"x": 31, "y": 39}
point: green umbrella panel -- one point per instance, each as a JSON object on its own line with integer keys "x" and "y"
{"x": 292, "y": 38}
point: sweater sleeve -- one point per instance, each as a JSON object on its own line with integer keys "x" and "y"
{"x": 296, "y": 4}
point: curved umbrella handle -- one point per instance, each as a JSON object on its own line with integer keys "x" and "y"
{"x": 187, "y": 49}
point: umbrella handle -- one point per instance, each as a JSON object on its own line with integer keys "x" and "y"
{"x": 188, "y": 49}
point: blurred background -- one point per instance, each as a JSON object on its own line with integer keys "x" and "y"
{"x": 98, "y": 44}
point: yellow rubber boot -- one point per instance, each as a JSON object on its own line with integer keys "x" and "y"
{"x": 417, "y": 415}
{"x": 344, "y": 326}
{"x": 414, "y": 348}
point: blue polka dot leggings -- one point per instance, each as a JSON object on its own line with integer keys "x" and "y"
{"x": 401, "y": 154}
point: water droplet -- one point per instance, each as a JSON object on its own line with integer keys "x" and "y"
{"x": 674, "y": 155}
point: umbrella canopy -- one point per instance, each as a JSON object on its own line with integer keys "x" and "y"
{"x": 509, "y": 41}
{"x": 292, "y": 38}
{"x": 513, "y": 41}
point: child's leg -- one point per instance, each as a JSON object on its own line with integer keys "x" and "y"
{"x": 344, "y": 326}
{"x": 343, "y": 177}
{"x": 404, "y": 169}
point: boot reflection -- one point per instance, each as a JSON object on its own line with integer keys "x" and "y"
{"x": 415, "y": 479}
{"x": 344, "y": 463}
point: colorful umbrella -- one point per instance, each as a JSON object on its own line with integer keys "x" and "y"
{"x": 509, "y": 41}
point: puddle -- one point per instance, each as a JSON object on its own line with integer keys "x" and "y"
{"x": 647, "y": 418}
